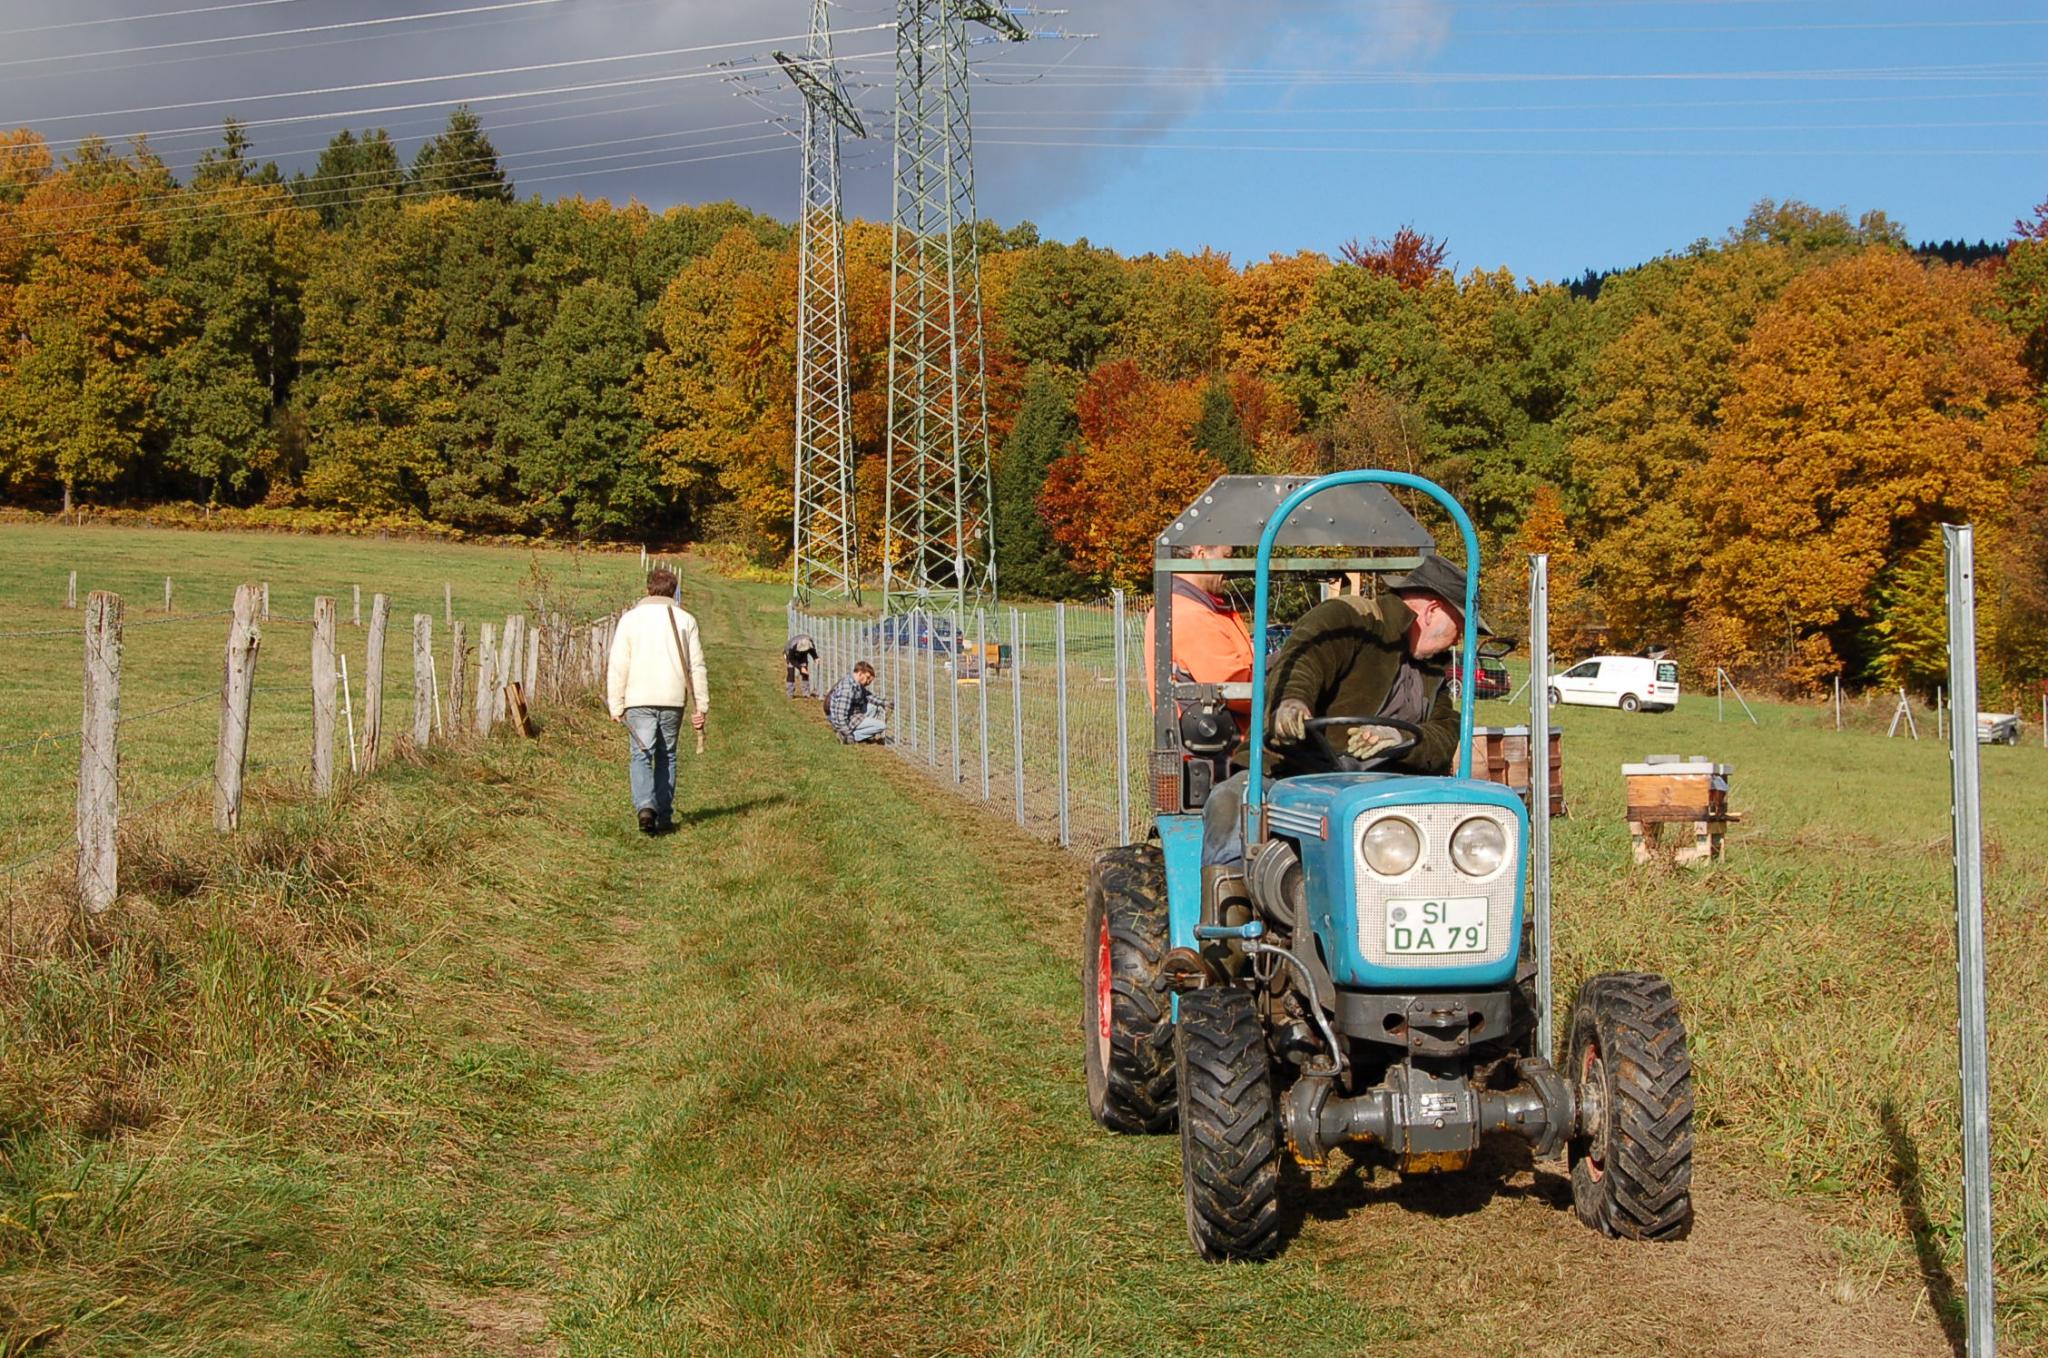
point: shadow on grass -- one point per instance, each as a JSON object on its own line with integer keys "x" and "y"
{"x": 1361, "y": 1186}
{"x": 703, "y": 815}
{"x": 1905, "y": 1177}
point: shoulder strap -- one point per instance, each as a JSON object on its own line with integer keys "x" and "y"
{"x": 682, "y": 656}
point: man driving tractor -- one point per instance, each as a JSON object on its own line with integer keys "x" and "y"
{"x": 1358, "y": 656}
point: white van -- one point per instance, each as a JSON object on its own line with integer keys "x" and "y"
{"x": 1629, "y": 682}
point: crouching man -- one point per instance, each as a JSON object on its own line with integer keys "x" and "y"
{"x": 854, "y": 712}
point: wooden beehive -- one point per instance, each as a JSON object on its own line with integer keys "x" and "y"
{"x": 1690, "y": 794}
{"x": 1501, "y": 755}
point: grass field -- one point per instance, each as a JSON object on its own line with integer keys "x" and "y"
{"x": 462, "y": 1065}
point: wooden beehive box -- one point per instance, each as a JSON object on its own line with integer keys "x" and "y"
{"x": 1501, "y": 755}
{"x": 1689, "y": 793}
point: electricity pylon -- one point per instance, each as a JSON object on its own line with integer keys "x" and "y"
{"x": 826, "y": 552}
{"x": 938, "y": 545}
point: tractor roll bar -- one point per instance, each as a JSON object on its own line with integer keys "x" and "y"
{"x": 1254, "y": 818}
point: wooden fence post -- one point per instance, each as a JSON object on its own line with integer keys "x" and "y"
{"x": 486, "y": 673}
{"x": 373, "y": 681}
{"x": 238, "y": 682}
{"x": 458, "y": 677}
{"x": 533, "y": 662}
{"x": 99, "y": 760}
{"x": 422, "y": 684}
{"x": 167, "y": 594}
{"x": 447, "y": 603}
{"x": 511, "y": 654}
{"x": 266, "y": 601}
{"x": 71, "y": 591}
{"x": 325, "y": 678}
{"x": 355, "y": 611}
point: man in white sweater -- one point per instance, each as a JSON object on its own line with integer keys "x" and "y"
{"x": 656, "y": 670}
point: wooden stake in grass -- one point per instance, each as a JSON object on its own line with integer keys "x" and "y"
{"x": 167, "y": 594}
{"x": 422, "y": 681}
{"x": 99, "y": 760}
{"x": 348, "y": 709}
{"x": 266, "y": 601}
{"x": 447, "y": 603}
{"x": 71, "y": 591}
{"x": 324, "y": 679}
{"x": 355, "y": 612}
{"x": 486, "y": 681}
{"x": 373, "y": 681}
{"x": 238, "y": 683}
{"x": 458, "y": 669}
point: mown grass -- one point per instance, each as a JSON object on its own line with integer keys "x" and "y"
{"x": 462, "y": 1064}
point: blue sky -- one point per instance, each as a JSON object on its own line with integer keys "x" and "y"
{"x": 1547, "y": 136}
{"x": 1550, "y": 138}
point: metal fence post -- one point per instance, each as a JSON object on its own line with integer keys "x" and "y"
{"x": 1017, "y": 708}
{"x": 930, "y": 635}
{"x": 909, "y": 641}
{"x": 1059, "y": 651}
{"x": 1969, "y": 860}
{"x": 1539, "y": 793}
{"x": 953, "y": 691}
{"x": 1123, "y": 724}
{"x": 981, "y": 688}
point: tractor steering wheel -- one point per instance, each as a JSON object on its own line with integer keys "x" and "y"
{"x": 1343, "y": 761}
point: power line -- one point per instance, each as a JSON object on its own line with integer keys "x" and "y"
{"x": 1561, "y": 152}
{"x": 1210, "y": 75}
{"x": 280, "y": 33}
{"x": 429, "y": 79}
{"x": 1682, "y": 128}
{"x": 141, "y": 18}
{"x": 699, "y": 74}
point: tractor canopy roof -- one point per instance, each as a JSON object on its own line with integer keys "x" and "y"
{"x": 1233, "y": 511}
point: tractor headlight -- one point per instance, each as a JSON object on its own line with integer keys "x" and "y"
{"x": 1391, "y": 846}
{"x": 1478, "y": 847}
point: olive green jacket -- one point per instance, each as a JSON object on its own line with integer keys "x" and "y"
{"x": 1341, "y": 660}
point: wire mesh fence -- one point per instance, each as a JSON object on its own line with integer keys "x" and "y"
{"x": 1041, "y": 712}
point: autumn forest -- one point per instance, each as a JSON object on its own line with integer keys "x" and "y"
{"x": 1742, "y": 449}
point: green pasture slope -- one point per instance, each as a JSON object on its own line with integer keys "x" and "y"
{"x": 462, "y": 1064}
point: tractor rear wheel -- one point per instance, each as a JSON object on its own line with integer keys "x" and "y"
{"x": 1229, "y": 1131}
{"x": 1130, "y": 1077}
{"x": 1631, "y": 1159}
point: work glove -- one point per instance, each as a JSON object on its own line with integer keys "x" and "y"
{"x": 1290, "y": 720}
{"x": 1364, "y": 742}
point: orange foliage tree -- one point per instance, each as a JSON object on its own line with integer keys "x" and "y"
{"x": 1136, "y": 468}
{"x": 1872, "y": 402}
{"x": 1411, "y": 258}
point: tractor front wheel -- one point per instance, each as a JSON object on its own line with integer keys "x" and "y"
{"x": 1631, "y": 1159}
{"x": 1229, "y": 1131}
{"x": 1130, "y": 1077}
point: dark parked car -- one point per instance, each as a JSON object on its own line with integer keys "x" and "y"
{"x": 1493, "y": 681}
{"x": 925, "y": 631}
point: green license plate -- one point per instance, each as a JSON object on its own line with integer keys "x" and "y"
{"x": 1436, "y": 926}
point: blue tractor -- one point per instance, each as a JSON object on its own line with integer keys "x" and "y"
{"x": 1368, "y": 980}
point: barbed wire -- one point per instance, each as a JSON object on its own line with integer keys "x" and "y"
{"x": 125, "y": 623}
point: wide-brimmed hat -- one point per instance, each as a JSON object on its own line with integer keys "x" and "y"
{"x": 1446, "y": 581}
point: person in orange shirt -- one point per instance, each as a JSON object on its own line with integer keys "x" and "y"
{"x": 1210, "y": 642}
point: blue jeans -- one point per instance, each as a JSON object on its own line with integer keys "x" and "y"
{"x": 1223, "y": 823}
{"x": 867, "y": 728}
{"x": 651, "y": 733}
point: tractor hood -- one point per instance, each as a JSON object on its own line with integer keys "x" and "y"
{"x": 1401, "y": 910}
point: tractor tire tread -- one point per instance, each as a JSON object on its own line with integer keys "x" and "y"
{"x": 1230, "y": 1133}
{"x": 1645, "y": 1191}
{"x": 1128, "y": 886}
